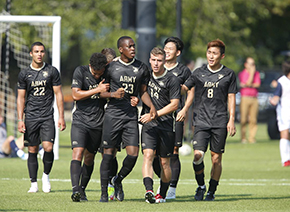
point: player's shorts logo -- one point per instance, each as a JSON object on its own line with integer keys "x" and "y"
{"x": 143, "y": 144}
{"x": 105, "y": 142}
{"x": 74, "y": 143}
{"x": 194, "y": 142}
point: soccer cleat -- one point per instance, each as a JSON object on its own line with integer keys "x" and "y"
{"x": 287, "y": 163}
{"x": 111, "y": 192}
{"x": 76, "y": 196}
{"x": 119, "y": 193}
{"x": 159, "y": 199}
{"x": 199, "y": 193}
{"x": 209, "y": 196}
{"x": 33, "y": 188}
{"x": 83, "y": 196}
{"x": 149, "y": 197}
{"x": 171, "y": 193}
{"x": 104, "y": 198}
{"x": 45, "y": 183}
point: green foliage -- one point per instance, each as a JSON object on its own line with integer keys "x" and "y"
{"x": 248, "y": 28}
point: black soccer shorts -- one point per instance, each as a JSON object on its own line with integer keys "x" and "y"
{"x": 116, "y": 130}
{"x": 157, "y": 139}
{"x": 87, "y": 138}
{"x": 216, "y": 137}
{"x": 39, "y": 130}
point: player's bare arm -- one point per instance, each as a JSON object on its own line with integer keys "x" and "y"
{"x": 59, "y": 102}
{"x": 171, "y": 107}
{"x": 79, "y": 94}
{"x": 274, "y": 100}
{"x": 20, "y": 110}
{"x": 231, "y": 107}
{"x": 147, "y": 100}
{"x": 182, "y": 114}
{"x": 134, "y": 101}
{"x": 118, "y": 94}
{"x": 183, "y": 89}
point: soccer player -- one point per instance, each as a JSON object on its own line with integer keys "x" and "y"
{"x": 173, "y": 47}
{"x": 215, "y": 94}
{"x": 37, "y": 86}
{"x": 121, "y": 118}
{"x": 158, "y": 135}
{"x": 88, "y": 113}
{"x": 281, "y": 98}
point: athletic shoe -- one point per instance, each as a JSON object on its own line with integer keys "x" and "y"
{"x": 119, "y": 193}
{"x": 149, "y": 197}
{"x": 33, "y": 188}
{"x": 45, "y": 183}
{"x": 159, "y": 199}
{"x": 287, "y": 163}
{"x": 83, "y": 196}
{"x": 76, "y": 196}
{"x": 199, "y": 193}
{"x": 209, "y": 196}
{"x": 158, "y": 190}
{"x": 111, "y": 192}
{"x": 104, "y": 198}
{"x": 171, "y": 193}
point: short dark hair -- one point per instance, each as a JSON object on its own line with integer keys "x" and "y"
{"x": 98, "y": 61}
{"x": 121, "y": 39}
{"x": 109, "y": 53}
{"x": 286, "y": 67}
{"x": 178, "y": 43}
{"x": 219, "y": 44}
{"x": 37, "y": 43}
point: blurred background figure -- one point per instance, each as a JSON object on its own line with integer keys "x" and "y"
{"x": 249, "y": 83}
{"x": 281, "y": 98}
{"x": 9, "y": 147}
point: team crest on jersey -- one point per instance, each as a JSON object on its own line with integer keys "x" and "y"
{"x": 221, "y": 76}
{"x": 161, "y": 83}
{"x": 45, "y": 74}
{"x": 135, "y": 69}
{"x": 75, "y": 82}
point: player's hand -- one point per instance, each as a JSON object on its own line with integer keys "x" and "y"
{"x": 134, "y": 101}
{"x": 145, "y": 118}
{"x": 61, "y": 124}
{"x": 103, "y": 87}
{"x": 118, "y": 94}
{"x": 181, "y": 115}
{"x": 153, "y": 112}
{"x": 231, "y": 128}
{"x": 21, "y": 127}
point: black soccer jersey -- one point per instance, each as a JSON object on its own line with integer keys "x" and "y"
{"x": 211, "y": 95}
{"x": 39, "y": 90}
{"x": 161, "y": 90}
{"x": 183, "y": 73}
{"x": 88, "y": 112}
{"x": 129, "y": 76}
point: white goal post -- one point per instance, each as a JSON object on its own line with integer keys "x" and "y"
{"x": 56, "y": 21}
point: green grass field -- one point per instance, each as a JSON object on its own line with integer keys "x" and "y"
{"x": 252, "y": 180}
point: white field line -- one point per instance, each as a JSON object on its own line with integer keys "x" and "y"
{"x": 236, "y": 182}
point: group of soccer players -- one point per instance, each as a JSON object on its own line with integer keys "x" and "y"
{"x": 105, "y": 117}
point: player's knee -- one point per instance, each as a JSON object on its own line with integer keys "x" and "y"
{"x": 198, "y": 157}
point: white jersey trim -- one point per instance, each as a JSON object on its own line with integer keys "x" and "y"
{"x": 169, "y": 69}
{"x": 214, "y": 71}
{"x": 126, "y": 64}
{"x": 37, "y": 69}
{"x": 157, "y": 77}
